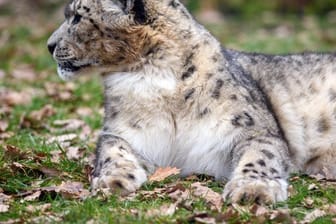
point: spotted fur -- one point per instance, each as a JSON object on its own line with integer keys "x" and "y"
{"x": 175, "y": 97}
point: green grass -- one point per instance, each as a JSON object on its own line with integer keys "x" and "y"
{"x": 263, "y": 34}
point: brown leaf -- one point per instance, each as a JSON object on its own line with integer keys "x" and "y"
{"x": 211, "y": 197}
{"x": 72, "y": 125}
{"x": 261, "y": 213}
{"x": 156, "y": 193}
{"x": 3, "y": 126}
{"x": 75, "y": 153}
{"x": 312, "y": 187}
{"x": 4, "y": 208}
{"x": 205, "y": 220}
{"x": 51, "y": 172}
{"x": 258, "y": 210}
{"x": 12, "y": 98}
{"x": 45, "y": 112}
{"x": 84, "y": 111}
{"x": 202, "y": 217}
{"x": 73, "y": 190}
{"x": 2, "y": 74}
{"x": 308, "y": 202}
{"x": 310, "y": 217}
{"x": 25, "y": 73}
{"x": 331, "y": 209}
{"x": 56, "y": 156}
{"x": 178, "y": 193}
{"x": 58, "y": 91}
{"x": 4, "y": 198}
{"x": 69, "y": 125}
{"x": 68, "y": 190}
{"x": 12, "y": 221}
{"x": 62, "y": 139}
{"x": 318, "y": 176}
{"x": 281, "y": 215}
{"x": 291, "y": 191}
{"x": 328, "y": 173}
{"x": 38, "y": 208}
{"x": 14, "y": 153}
{"x": 325, "y": 174}
{"x": 5, "y": 110}
{"x": 32, "y": 197}
{"x": 163, "y": 173}
{"x": 164, "y": 210}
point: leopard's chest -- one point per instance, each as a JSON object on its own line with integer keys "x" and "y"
{"x": 164, "y": 135}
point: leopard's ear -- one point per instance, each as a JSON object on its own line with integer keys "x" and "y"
{"x": 137, "y": 8}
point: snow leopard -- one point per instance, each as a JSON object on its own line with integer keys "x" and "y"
{"x": 174, "y": 96}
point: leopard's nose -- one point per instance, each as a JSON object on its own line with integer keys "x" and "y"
{"x": 51, "y": 48}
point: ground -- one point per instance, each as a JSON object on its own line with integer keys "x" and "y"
{"x": 45, "y": 179}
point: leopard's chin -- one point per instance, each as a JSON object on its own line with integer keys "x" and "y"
{"x": 68, "y": 71}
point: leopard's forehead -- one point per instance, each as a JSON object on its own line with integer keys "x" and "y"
{"x": 91, "y": 6}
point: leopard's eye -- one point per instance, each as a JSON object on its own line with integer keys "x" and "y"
{"x": 77, "y": 19}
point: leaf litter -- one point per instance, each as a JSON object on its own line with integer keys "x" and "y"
{"x": 182, "y": 193}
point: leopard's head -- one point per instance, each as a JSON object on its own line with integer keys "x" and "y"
{"x": 100, "y": 35}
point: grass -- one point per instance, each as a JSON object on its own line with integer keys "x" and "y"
{"x": 19, "y": 174}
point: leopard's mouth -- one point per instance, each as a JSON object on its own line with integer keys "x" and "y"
{"x": 67, "y": 70}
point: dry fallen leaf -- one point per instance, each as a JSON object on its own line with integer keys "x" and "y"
{"x": 56, "y": 156}
{"x": 51, "y": 172}
{"x": 14, "y": 153}
{"x": 211, "y": 197}
{"x": 330, "y": 209}
{"x": 4, "y": 208}
{"x": 74, "y": 153}
{"x": 45, "y": 112}
{"x": 5, "y": 198}
{"x": 63, "y": 92}
{"x": 38, "y": 208}
{"x": 12, "y": 221}
{"x": 261, "y": 213}
{"x": 318, "y": 176}
{"x": 312, "y": 187}
{"x": 178, "y": 193}
{"x": 310, "y": 217}
{"x": 281, "y": 216}
{"x": 73, "y": 190}
{"x": 6, "y": 135}
{"x": 69, "y": 125}
{"x": 259, "y": 210}
{"x": 3, "y": 126}
{"x": 32, "y": 197}
{"x": 202, "y": 217}
{"x": 163, "y": 173}
{"x": 12, "y": 98}
{"x": 164, "y": 210}
{"x": 72, "y": 125}
{"x": 308, "y": 202}
{"x": 25, "y": 73}
{"x": 84, "y": 111}
{"x": 329, "y": 174}
{"x": 68, "y": 190}
{"x": 2, "y": 74}
{"x": 205, "y": 220}
{"x": 62, "y": 139}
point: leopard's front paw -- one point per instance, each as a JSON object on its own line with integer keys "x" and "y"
{"x": 262, "y": 191}
{"x": 121, "y": 180}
